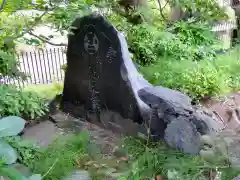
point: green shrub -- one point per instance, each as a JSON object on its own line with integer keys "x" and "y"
{"x": 168, "y": 44}
{"x": 193, "y": 33}
{"x": 119, "y": 22}
{"x": 183, "y": 40}
{"x": 20, "y": 103}
{"x": 197, "y": 79}
{"x": 186, "y": 40}
{"x": 141, "y": 43}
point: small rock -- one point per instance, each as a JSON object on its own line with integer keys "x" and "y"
{"x": 208, "y": 155}
{"x": 182, "y": 135}
{"x": 226, "y": 145}
{"x": 44, "y": 133}
{"x": 159, "y": 178}
{"x": 205, "y": 139}
{"x": 78, "y": 175}
{"x": 237, "y": 178}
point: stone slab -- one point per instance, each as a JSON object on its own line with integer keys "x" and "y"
{"x": 43, "y": 133}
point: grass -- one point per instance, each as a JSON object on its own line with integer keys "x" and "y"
{"x": 73, "y": 152}
{"x": 157, "y": 159}
{"x": 145, "y": 161}
{"x": 61, "y": 157}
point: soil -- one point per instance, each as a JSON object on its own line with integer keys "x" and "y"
{"x": 222, "y": 104}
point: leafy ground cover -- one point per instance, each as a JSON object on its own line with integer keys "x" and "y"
{"x": 16, "y": 102}
{"x": 61, "y": 157}
{"x": 140, "y": 160}
{"x": 198, "y": 78}
{"x": 157, "y": 159}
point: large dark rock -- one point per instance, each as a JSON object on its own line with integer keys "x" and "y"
{"x": 100, "y": 73}
{"x": 169, "y": 103}
{"x": 101, "y": 76}
{"x": 183, "y": 124}
{"x": 182, "y": 134}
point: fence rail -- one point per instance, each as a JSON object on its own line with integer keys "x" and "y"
{"x": 41, "y": 67}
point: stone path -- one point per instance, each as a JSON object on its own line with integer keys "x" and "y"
{"x": 44, "y": 133}
{"x": 106, "y": 140}
{"x": 105, "y": 146}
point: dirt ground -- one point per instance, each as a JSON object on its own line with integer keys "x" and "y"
{"x": 223, "y": 106}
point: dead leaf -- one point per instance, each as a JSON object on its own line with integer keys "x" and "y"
{"x": 124, "y": 158}
{"x": 78, "y": 164}
{"x": 159, "y": 178}
{"x": 90, "y": 163}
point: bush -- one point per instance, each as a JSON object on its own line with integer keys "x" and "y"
{"x": 20, "y": 103}
{"x": 168, "y": 44}
{"x": 141, "y": 43}
{"x": 183, "y": 40}
{"x": 193, "y": 33}
{"x": 197, "y": 79}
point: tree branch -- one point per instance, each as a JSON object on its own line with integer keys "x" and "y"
{"x": 44, "y": 39}
{"x": 2, "y": 5}
{"x": 166, "y": 4}
{"x": 161, "y": 8}
{"x": 38, "y": 19}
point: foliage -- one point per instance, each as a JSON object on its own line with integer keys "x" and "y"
{"x": 152, "y": 159}
{"x": 12, "y": 26}
{"x": 203, "y": 10}
{"x": 21, "y": 103}
{"x": 11, "y": 126}
{"x": 140, "y": 39}
{"x": 62, "y": 16}
{"x": 61, "y": 157}
{"x": 183, "y": 40}
{"x": 169, "y": 45}
{"x": 46, "y": 91}
{"x": 200, "y": 78}
{"x": 119, "y": 22}
{"x": 195, "y": 33}
{"x": 26, "y": 150}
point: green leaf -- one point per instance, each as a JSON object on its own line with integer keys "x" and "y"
{"x": 11, "y": 126}
{"x": 35, "y": 177}
{"x": 12, "y": 173}
{"x": 7, "y": 153}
